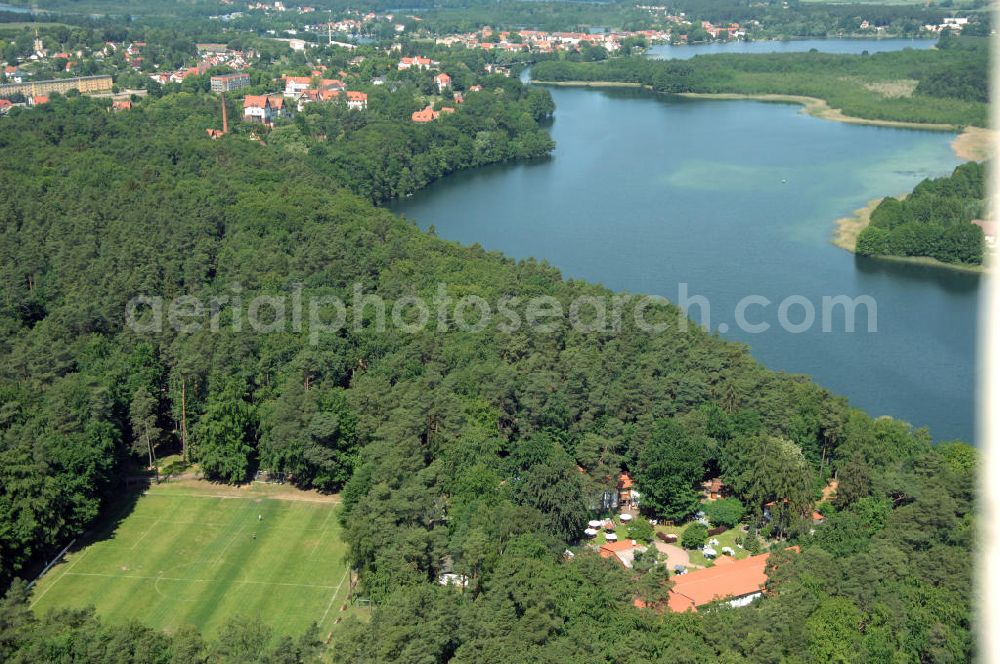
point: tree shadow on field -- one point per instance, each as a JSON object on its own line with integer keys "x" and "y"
{"x": 113, "y": 513}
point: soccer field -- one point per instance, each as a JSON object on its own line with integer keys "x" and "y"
{"x": 194, "y": 553}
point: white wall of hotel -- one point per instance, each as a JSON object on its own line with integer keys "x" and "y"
{"x": 744, "y": 600}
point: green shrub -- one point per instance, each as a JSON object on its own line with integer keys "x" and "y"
{"x": 694, "y": 536}
{"x": 640, "y": 530}
{"x": 726, "y": 512}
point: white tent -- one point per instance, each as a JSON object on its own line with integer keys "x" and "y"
{"x": 590, "y": 532}
{"x": 709, "y": 552}
{"x": 595, "y": 523}
{"x": 625, "y": 517}
{"x": 611, "y": 537}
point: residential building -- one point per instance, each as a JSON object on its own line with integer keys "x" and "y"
{"x": 628, "y": 497}
{"x": 264, "y": 109}
{"x": 443, "y": 82}
{"x": 491, "y": 68}
{"x": 713, "y": 489}
{"x": 357, "y": 100}
{"x": 416, "y": 62}
{"x": 230, "y": 82}
{"x": 426, "y": 115}
{"x": 332, "y": 84}
{"x": 84, "y": 84}
{"x": 295, "y": 85}
{"x": 13, "y": 74}
{"x": 623, "y": 551}
{"x": 738, "y": 582}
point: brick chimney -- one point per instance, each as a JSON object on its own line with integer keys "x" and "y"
{"x": 225, "y": 121}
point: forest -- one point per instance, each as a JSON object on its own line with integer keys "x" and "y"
{"x": 946, "y": 85}
{"x": 934, "y": 220}
{"x": 453, "y": 451}
{"x": 381, "y": 154}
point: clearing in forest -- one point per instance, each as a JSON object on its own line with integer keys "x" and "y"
{"x": 193, "y": 553}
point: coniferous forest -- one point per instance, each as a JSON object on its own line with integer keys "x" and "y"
{"x": 453, "y": 451}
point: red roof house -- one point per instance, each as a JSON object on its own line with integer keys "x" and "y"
{"x": 738, "y": 581}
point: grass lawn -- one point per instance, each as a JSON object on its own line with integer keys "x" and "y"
{"x": 727, "y": 538}
{"x": 196, "y": 553}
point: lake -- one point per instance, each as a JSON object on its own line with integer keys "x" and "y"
{"x": 668, "y": 52}
{"x": 737, "y": 198}
{"x": 16, "y": 9}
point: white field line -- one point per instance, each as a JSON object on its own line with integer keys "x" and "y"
{"x": 59, "y": 578}
{"x": 333, "y": 500}
{"x": 52, "y": 563}
{"x": 322, "y": 531}
{"x": 143, "y": 536}
{"x": 187, "y": 580}
{"x": 219, "y": 559}
{"x": 214, "y": 524}
{"x": 334, "y": 596}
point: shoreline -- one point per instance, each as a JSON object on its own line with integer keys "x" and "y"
{"x": 971, "y": 143}
{"x": 819, "y": 108}
{"x": 847, "y": 229}
{"x": 975, "y": 143}
{"x": 592, "y": 84}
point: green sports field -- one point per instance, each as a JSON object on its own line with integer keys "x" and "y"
{"x": 194, "y": 553}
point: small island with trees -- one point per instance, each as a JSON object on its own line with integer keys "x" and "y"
{"x": 941, "y": 221}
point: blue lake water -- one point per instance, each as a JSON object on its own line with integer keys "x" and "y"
{"x": 668, "y": 52}
{"x": 734, "y": 198}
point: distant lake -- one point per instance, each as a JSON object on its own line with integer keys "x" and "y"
{"x": 15, "y": 9}
{"x": 668, "y": 52}
{"x": 736, "y": 198}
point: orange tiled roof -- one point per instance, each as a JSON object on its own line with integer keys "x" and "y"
{"x": 425, "y": 115}
{"x": 736, "y": 579}
{"x": 254, "y": 101}
{"x": 260, "y": 101}
{"x": 728, "y": 580}
{"x": 610, "y": 549}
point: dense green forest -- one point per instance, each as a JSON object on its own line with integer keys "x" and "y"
{"x": 381, "y": 154}
{"x": 944, "y": 85}
{"x": 453, "y": 450}
{"x": 934, "y": 220}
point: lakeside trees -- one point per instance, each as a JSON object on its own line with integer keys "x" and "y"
{"x": 934, "y": 220}
{"x": 950, "y": 82}
{"x": 381, "y": 154}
